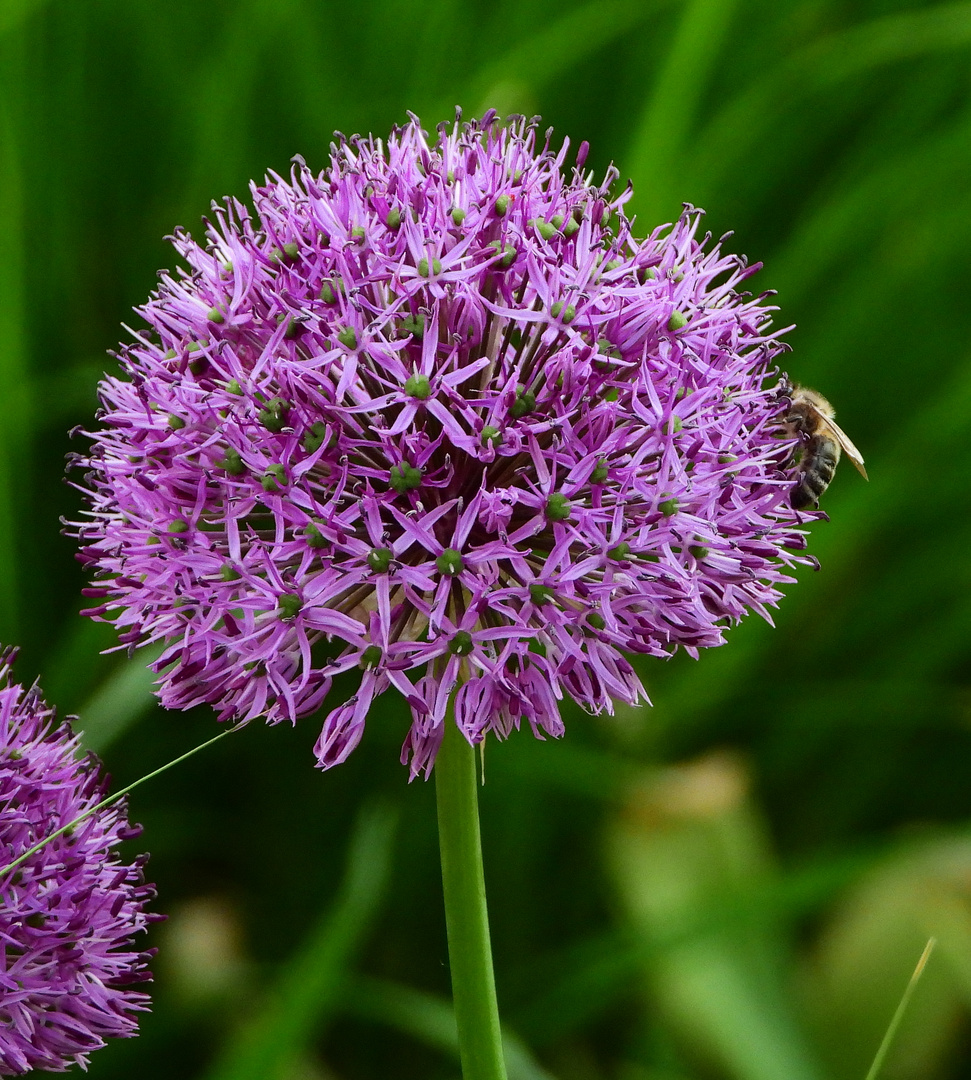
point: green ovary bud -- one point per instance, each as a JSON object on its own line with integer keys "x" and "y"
{"x": 423, "y": 267}
{"x": 450, "y": 562}
{"x": 393, "y": 219}
{"x": 232, "y": 462}
{"x": 288, "y": 605}
{"x": 414, "y": 325}
{"x": 458, "y": 215}
{"x": 233, "y": 387}
{"x": 669, "y": 507}
{"x": 275, "y": 477}
{"x": 314, "y": 537}
{"x": 571, "y": 228}
{"x": 699, "y": 551}
{"x": 404, "y": 477}
{"x": 508, "y": 252}
{"x": 370, "y": 657}
{"x": 502, "y": 205}
{"x": 600, "y": 473}
{"x": 613, "y": 394}
{"x": 673, "y": 425}
{"x": 379, "y": 559}
{"x": 461, "y": 644}
{"x": 620, "y": 552}
{"x": 176, "y": 423}
{"x": 178, "y": 526}
{"x": 215, "y": 316}
{"x": 546, "y": 229}
{"x": 330, "y": 289}
{"x": 418, "y": 387}
{"x": 677, "y": 321}
{"x": 558, "y": 507}
{"x": 566, "y": 312}
{"x": 273, "y": 416}
{"x": 348, "y": 337}
{"x": 314, "y": 438}
{"x": 293, "y": 327}
{"x": 540, "y": 594}
{"x": 491, "y": 436}
{"x": 358, "y": 233}
{"x": 596, "y": 620}
{"x": 523, "y": 405}
{"x": 228, "y": 572}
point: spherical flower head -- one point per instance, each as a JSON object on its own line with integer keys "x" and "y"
{"x": 437, "y": 414}
{"x": 69, "y": 911}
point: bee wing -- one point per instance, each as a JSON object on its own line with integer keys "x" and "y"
{"x": 848, "y": 448}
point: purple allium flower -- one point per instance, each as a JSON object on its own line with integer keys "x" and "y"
{"x": 438, "y": 405}
{"x": 69, "y": 911}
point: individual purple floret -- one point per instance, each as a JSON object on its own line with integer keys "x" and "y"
{"x": 436, "y": 413}
{"x": 68, "y": 913}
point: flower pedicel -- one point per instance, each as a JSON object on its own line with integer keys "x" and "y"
{"x": 437, "y": 414}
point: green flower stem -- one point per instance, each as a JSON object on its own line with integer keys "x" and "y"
{"x": 466, "y": 918}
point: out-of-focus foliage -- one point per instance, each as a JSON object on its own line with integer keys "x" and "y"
{"x": 734, "y": 884}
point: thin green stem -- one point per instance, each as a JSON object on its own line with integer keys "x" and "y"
{"x": 466, "y": 917}
{"x": 899, "y": 1014}
{"x": 111, "y": 799}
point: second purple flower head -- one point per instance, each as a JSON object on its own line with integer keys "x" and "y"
{"x": 437, "y": 414}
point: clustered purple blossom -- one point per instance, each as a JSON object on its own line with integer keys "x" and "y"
{"x": 437, "y": 414}
{"x": 69, "y": 911}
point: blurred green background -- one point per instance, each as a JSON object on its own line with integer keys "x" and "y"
{"x": 734, "y": 884}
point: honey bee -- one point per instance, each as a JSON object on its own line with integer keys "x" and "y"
{"x": 810, "y": 418}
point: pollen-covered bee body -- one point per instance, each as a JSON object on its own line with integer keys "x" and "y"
{"x": 811, "y": 419}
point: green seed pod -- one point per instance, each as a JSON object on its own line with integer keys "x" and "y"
{"x": 558, "y": 507}
{"x": 178, "y": 526}
{"x": 436, "y": 267}
{"x": 502, "y": 205}
{"x": 418, "y": 387}
{"x": 273, "y": 416}
{"x": 491, "y": 436}
{"x": 450, "y": 562}
{"x": 314, "y": 438}
{"x": 458, "y": 215}
{"x": 176, "y": 423}
{"x": 215, "y": 316}
{"x": 232, "y": 462}
{"x": 379, "y": 559}
{"x": 404, "y": 477}
{"x": 275, "y": 478}
{"x": 677, "y": 321}
{"x": 600, "y": 473}
{"x": 669, "y": 507}
{"x": 461, "y": 643}
{"x": 393, "y": 219}
{"x": 620, "y": 552}
{"x": 523, "y": 405}
{"x": 288, "y": 605}
{"x": 228, "y": 572}
{"x": 314, "y": 537}
{"x": 348, "y": 337}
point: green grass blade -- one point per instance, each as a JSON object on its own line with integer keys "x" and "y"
{"x": 654, "y": 156}
{"x": 899, "y": 1014}
{"x": 307, "y": 992}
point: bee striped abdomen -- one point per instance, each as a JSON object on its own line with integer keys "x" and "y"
{"x": 817, "y": 468}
